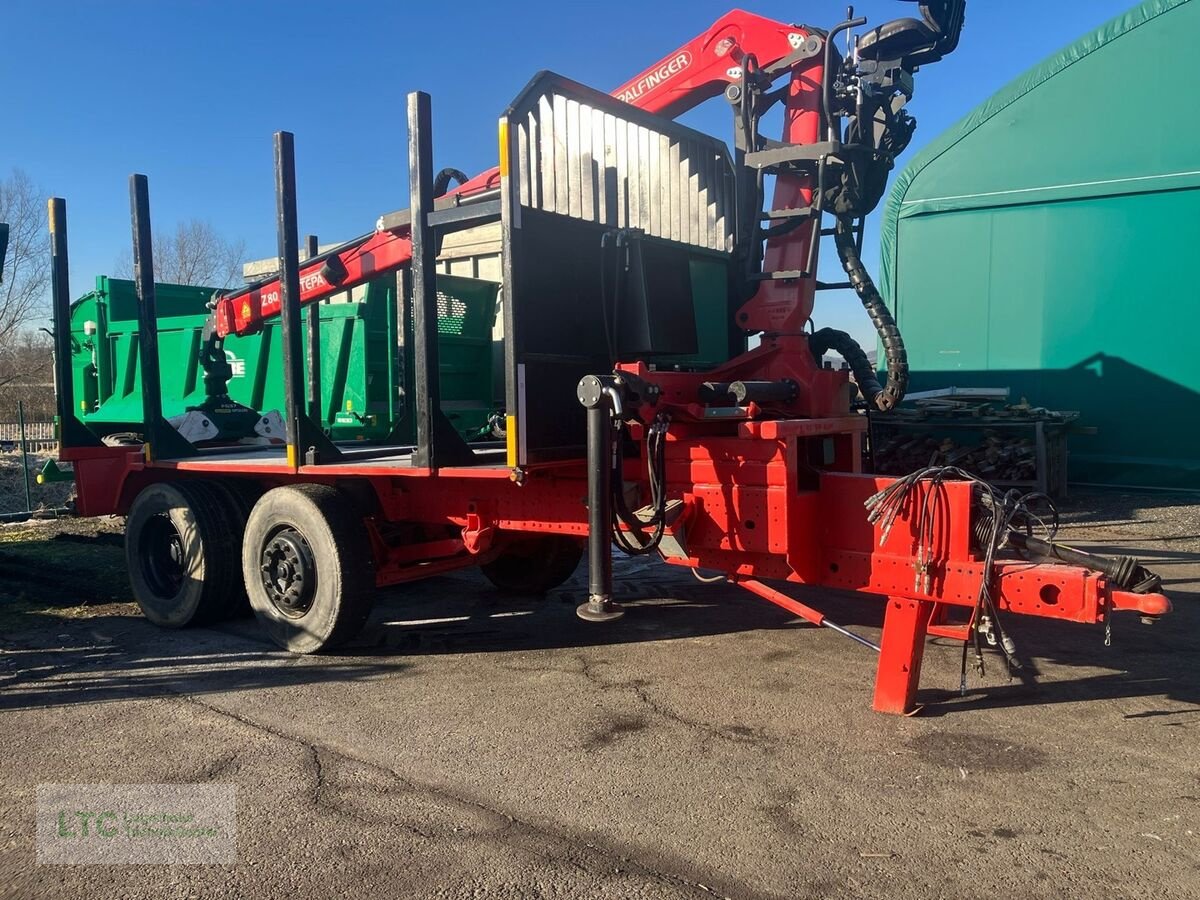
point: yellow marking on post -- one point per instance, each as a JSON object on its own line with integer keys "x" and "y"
{"x": 291, "y": 456}
{"x": 510, "y": 437}
{"x": 83, "y": 406}
{"x": 504, "y": 148}
{"x": 50, "y": 213}
{"x": 146, "y": 452}
{"x": 349, "y": 405}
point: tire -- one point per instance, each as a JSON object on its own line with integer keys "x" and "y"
{"x": 238, "y": 496}
{"x": 313, "y": 531}
{"x": 534, "y": 564}
{"x": 181, "y": 555}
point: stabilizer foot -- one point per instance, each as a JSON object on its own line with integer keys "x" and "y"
{"x": 905, "y": 625}
{"x": 599, "y": 609}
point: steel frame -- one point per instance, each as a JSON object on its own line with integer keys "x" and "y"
{"x": 816, "y": 537}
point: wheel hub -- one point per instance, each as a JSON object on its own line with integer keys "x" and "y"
{"x": 289, "y": 573}
{"x": 162, "y": 557}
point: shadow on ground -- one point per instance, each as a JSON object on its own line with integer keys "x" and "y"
{"x": 74, "y": 645}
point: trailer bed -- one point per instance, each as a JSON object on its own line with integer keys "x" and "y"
{"x": 396, "y": 459}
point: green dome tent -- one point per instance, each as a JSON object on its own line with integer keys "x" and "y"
{"x": 1047, "y": 243}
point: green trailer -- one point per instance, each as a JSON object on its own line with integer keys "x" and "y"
{"x": 361, "y": 350}
{"x": 1046, "y": 244}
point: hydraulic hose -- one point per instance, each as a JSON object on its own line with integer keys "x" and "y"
{"x": 637, "y": 542}
{"x": 441, "y": 183}
{"x": 892, "y": 393}
{"x": 1127, "y": 573}
{"x": 848, "y": 348}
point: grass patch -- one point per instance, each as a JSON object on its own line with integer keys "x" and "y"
{"x": 62, "y": 575}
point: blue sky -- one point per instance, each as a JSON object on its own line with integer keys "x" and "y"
{"x": 189, "y": 93}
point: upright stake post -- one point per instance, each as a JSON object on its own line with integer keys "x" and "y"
{"x": 289, "y": 281}
{"x": 71, "y": 432}
{"x": 424, "y": 260}
{"x": 60, "y": 292}
{"x": 161, "y": 439}
{"x": 438, "y": 443}
{"x": 313, "y": 346}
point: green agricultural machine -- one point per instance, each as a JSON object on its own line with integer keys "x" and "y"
{"x": 361, "y": 351}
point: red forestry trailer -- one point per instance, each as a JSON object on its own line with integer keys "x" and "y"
{"x": 638, "y": 258}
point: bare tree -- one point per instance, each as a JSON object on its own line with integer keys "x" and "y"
{"x": 193, "y": 254}
{"x": 23, "y": 353}
{"x": 25, "y": 359}
{"x": 27, "y": 268}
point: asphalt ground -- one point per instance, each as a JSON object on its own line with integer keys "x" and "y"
{"x": 472, "y": 744}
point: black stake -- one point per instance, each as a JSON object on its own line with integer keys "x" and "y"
{"x": 71, "y": 432}
{"x": 289, "y": 285}
{"x": 162, "y": 440}
{"x": 307, "y": 444}
{"x": 424, "y": 297}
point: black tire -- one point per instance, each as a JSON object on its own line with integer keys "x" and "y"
{"x": 181, "y": 555}
{"x": 534, "y": 564}
{"x": 239, "y": 496}
{"x": 313, "y": 531}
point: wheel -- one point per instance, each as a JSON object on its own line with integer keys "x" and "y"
{"x": 181, "y": 555}
{"x": 239, "y": 496}
{"x": 534, "y": 564}
{"x": 306, "y": 559}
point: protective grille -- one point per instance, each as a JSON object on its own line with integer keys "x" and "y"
{"x": 451, "y": 314}
{"x": 597, "y": 162}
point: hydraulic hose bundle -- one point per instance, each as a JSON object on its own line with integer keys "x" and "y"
{"x": 889, "y": 396}
{"x": 635, "y": 541}
{"x": 848, "y": 349}
{"x": 1026, "y": 522}
{"x": 1002, "y": 514}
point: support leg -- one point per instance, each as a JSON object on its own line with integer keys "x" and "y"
{"x": 903, "y": 646}
{"x": 600, "y": 606}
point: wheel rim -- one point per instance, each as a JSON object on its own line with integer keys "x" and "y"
{"x": 161, "y": 555}
{"x": 289, "y": 573}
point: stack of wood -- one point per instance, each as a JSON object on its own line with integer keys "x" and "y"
{"x": 977, "y": 430}
{"x": 996, "y": 457}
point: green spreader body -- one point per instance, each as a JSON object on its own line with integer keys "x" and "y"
{"x": 362, "y": 357}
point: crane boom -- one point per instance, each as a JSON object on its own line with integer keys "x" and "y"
{"x": 697, "y": 71}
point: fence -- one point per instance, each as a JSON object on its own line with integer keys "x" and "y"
{"x": 21, "y": 443}
{"x": 38, "y": 436}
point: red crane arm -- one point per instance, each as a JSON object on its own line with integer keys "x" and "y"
{"x": 697, "y": 71}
